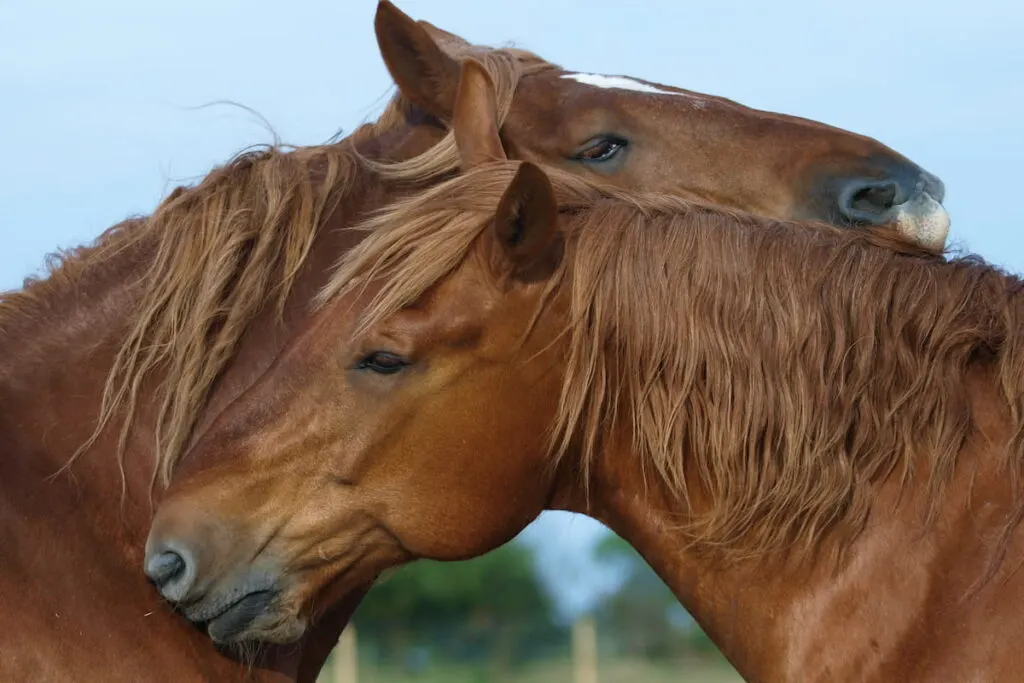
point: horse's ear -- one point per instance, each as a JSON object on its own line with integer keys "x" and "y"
{"x": 423, "y": 72}
{"x": 527, "y": 242}
{"x": 475, "y": 119}
{"x": 446, "y": 40}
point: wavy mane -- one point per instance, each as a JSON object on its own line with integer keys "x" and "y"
{"x": 784, "y": 368}
{"x": 218, "y": 253}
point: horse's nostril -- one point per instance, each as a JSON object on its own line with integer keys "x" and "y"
{"x": 869, "y": 201}
{"x": 877, "y": 198}
{"x": 172, "y": 571}
{"x": 165, "y": 567}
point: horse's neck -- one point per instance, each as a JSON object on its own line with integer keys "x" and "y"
{"x": 56, "y": 356}
{"x": 71, "y": 583}
{"x": 903, "y": 601}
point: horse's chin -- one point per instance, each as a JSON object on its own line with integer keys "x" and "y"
{"x": 275, "y": 626}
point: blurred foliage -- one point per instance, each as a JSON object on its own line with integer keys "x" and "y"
{"x": 492, "y": 608}
{"x": 502, "y": 584}
{"x": 493, "y": 615}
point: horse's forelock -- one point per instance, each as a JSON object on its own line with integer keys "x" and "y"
{"x": 233, "y": 244}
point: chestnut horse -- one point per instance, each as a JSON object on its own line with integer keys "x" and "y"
{"x": 167, "y": 319}
{"x": 814, "y": 436}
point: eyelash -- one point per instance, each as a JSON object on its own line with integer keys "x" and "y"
{"x": 614, "y": 145}
{"x": 382, "y": 363}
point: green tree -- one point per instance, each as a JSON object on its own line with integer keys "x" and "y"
{"x": 493, "y": 607}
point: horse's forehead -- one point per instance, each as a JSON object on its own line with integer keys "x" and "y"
{"x": 455, "y": 310}
{"x": 605, "y": 82}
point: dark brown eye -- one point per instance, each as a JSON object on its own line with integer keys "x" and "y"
{"x": 601, "y": 149}
{"x": 382, "y": 362}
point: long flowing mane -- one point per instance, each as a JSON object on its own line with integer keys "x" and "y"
{"x": 784, "y": 368}
{"x": 220, "y": 252}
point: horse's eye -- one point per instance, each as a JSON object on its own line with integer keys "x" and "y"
{"x": 603, "y": 148}
{"x": 382, "y": 362}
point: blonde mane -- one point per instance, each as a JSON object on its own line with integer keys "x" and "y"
{"x": 783, "y": 368}
{"x": 218, "y": 253}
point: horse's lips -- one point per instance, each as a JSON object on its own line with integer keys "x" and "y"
{"x": 239, "y": 615}
{"x": 923, "y": 219}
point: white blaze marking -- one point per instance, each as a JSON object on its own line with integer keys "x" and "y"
{"x": 626, "y": 83}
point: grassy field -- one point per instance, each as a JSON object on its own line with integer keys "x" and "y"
{"x": 611, "y": 671}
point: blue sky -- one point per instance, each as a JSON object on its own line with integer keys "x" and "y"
{"x": 98, "y": 103}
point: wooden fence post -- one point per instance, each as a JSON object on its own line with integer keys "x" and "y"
{"x": 346, "y": 657}
{"x": 584, "y": 651}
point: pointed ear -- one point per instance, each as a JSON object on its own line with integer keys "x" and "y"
{"x": 423, "y": 72}
{"x": 446, "y": 40}
{"x": 525, "y": 232}
{"x": 475, "y": 119}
